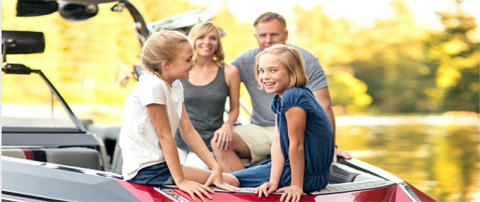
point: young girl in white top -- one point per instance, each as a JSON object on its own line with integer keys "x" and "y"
{"x": 153, "y": 111}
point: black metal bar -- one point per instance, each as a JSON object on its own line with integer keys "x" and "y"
{"x": 137, "y": 17}
{"x": 62, "y": 101}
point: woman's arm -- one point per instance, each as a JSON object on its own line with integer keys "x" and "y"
{"x": 233, "y": 82}
{"x": 224, "y": 133}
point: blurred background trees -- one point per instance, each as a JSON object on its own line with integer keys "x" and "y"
{"x": 393, "y": 66}
{"x": 454, "y": 54}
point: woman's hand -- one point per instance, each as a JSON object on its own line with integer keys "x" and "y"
{"x": 265, "y": 189}
{"x": 223, "y": 136}
{"x": 193, "y": 188}
{"x": 216, "y": 178}
{"x": 291, "y": 193}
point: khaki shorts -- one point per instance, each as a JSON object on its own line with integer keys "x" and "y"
{"x": 258, "y": 139}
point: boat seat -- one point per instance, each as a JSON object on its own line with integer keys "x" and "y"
{"x": 108, "y": 134}
{"x": 117, "y": 160}
{"x": 104, "y": 131}
{"x": 14, "y": 152}
{"x": 340, "y": 173}
{"x": 71, "y": 156}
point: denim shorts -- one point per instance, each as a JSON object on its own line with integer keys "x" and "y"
{"x": 254, "y": 176}
{"x": 155, "y": 175}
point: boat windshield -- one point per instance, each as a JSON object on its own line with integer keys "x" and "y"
{"x": 28, "y": 102}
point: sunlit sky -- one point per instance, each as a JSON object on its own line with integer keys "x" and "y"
{"x": 363, "y": 11}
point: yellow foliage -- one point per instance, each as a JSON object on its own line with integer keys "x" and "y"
{"x": 473, "y": 36}
{"x": 423, "y": 70}
{"x": 239, "y": 35}
{"x": 348, "y": 91}
{"x": 447, "y": 76}
{"x": 454, "y": 46}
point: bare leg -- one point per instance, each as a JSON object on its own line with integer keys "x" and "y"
{"x": 201, "y": 175}
{"x": 229, "y": 159}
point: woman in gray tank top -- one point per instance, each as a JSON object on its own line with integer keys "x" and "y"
{"x": 211, "y": 82}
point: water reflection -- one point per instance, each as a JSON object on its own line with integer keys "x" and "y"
{"x": 440, "y": 158}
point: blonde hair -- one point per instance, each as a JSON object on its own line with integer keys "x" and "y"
{"x": 290, "y": 57}
{"x": 162, "y": 46}
{"x": 200, "y": 30}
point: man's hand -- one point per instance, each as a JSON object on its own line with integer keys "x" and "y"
{"x": 342, "y": 154}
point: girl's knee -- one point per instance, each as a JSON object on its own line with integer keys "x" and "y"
{"x": 231, "y": 179}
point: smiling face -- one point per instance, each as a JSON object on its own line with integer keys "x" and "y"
{"x": 207, "y": 44}
{"x": 180, "y": 66}
{"x": 205, "y": 37}
{"x": 269, "y": 33}
{"x": 272, "y": 74}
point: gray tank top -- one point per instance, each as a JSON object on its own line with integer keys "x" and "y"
{"x": 205, "y": 106}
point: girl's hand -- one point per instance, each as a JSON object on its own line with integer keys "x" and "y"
{"x": 265, "y": 189}
{"x": 291, "y": 193}
{"x": 194, "y": 188}
{"x": 223, "y": 137}
{"x": 216, "y": 178}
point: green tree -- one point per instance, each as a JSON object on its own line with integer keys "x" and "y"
{"x": 454, "y": 53}
{"x": 331, "y": 41}
{"x": 392, "y": 66}
{"x": 239, "y": 35}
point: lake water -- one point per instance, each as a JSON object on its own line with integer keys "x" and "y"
{"x": 437, "y": 154}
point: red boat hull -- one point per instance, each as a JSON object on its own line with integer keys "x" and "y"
{"x": 390, "y": 193}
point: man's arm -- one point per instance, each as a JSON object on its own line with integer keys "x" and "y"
{"x": 323, "y": 97}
